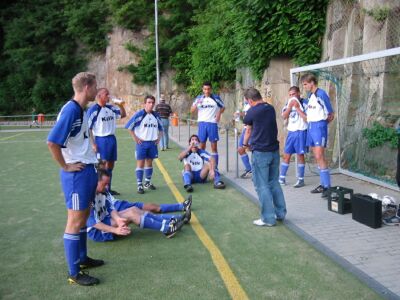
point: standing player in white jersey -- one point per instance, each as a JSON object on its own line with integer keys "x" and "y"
{"x": 69, "y": 144}
{"x": 295, "y": 142}
{"x": 102, "y": 122}
{"x": 319, "y": 114}
{"x": 209, "y": 109}
{"x": 146, "y": 130}
{"x": 242, "y": 150}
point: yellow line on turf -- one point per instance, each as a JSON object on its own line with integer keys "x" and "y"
{"x": 231, "y": 282}
{"x": 10, "y": 137}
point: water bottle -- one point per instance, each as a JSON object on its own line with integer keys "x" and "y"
{"x": 237, "y": 116}
{"x": 117, "y": 100}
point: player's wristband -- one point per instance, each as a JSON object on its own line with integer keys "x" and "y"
{"x": 245, "y": 145}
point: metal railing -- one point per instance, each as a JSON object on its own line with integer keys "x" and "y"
{"x": 31, "y": 121}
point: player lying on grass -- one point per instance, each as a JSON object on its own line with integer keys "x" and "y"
{"x": 110, "y": 217}
{"x": 198, "y": 165}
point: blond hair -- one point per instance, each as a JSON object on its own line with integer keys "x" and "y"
{"x": 83, "y": 79}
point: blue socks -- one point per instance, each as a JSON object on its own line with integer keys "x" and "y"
{"x": 246, "y": 162}
{"x": 71, "y": 248}
{"x": 284, "y": 169}
{"x": 148, "y": 172}
{"x": 187, "y": 178}
{"x": 216, "y": 158}
{"x": 300, "y": 171}
{"x": 325, "y": 178}
{"x": 139, "y": 175}
{"x": 171, "y": 207}
{"x": 217, "y": 176}
{"x": 83, "y": 244}
{"x": 151, "y": 223}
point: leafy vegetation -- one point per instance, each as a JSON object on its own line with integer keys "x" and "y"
{"x": 377, "y": 135}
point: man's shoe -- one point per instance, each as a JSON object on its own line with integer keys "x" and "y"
{"x": 188, "y": 188}
{"x": 325, "y": 193}
{"x": 246, "y": 174}
{"x": 282, "y": 181}
{"x": 173, "y": 227}
{"x": 83, "y": 278}
{"x": 317, "y": 190}
{"x": 140, "y": 189}
{"x": 299, "y": 183}
{"x": 220, "y": 185}
{"x": 392, "y": 221}
{"x": 91, "y": 263}
{"x": 187, "y": 216}
{"x": 187, "y": 204}
{"x": 149, "y": 186}
{"x": 260, "y": 222}
{"x": 114, "y": 193}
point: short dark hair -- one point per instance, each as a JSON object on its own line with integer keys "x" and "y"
{"x": 149, "y": 97}
{"x": 308, "y": 77}
{"x": 207, "y": 83}
{"x": 101, "y": 173}
{"x": 194, "y": 135}
{"x": 294, "y": 88}
{"x": 252, "y": 94}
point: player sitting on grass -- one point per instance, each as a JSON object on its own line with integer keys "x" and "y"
{"x": 110, "y": 217}
{"x": 198, "y": 165}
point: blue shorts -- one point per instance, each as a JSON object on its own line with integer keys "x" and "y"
{"x": 296, "y": 142}
{"x": 241, "y": 139}
{"x": 106, "y": 147}
{"x": 196, "y": 178}
{"x": 317, "y": 134}
{"x": 79, "y": 187}
{"x": 101, "y": 236}
{"x": 147, "y": 149}
{"x": 208, "y": 130}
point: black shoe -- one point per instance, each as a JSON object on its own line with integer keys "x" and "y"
{"x": 246, "y": 174}
{"x": 140, "y": 189}
{"x": 188, "y": 188}
{"x": 91, "y": 263}
{"x": 149, "y": 186}
{"x": 173, "y": 227}
{"x": 187, "y": 216}
{"x": 83, "y": 278}
{"x": 325, "y": 193}
{"x": 220, "y": 185}
{"x": 114, "y": 193}
{"x": 317, "y": 190}
{"x": 187, "y": 204}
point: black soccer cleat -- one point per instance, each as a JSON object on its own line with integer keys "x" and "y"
{"x": 173, "y": 227}
{"x": 325, "y": 193}
{"x": 140, "y": 189}
{"x": 91, "y": 263}
{"x": 188, "y": 188}
{"x": 187, "y": 204}
{"x": 220, "y": 185}
{"x": 149, "y": 186}
{"x": 114, "y": 193}
{"x": 319, "y": 189}
{"x": 83, "y": 278}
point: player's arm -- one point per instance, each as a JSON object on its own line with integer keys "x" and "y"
{"x": 111, "y": 229}
{"x": 247, "y": 135}
{"x": 55, "y": 151}
{"x": 134, "y": 136}
{"x": 328, "y": 105}
{"x": 196, "y": 102}
{"x": 93, "y": 141}
{"x": 185, "y": 153}
{"x": 122, "y": 109}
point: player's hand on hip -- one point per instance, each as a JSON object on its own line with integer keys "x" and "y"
{"x": 330, "y": 118}
{"x": 94, "y": 147}
{"x": 74, "y": 167}
{"x": 138, "y": 141}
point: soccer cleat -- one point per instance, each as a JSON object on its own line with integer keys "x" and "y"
{"x": 325, "y": 193}
{"x": 282, "y": 181}
{"x": 188, "y": 188}
{"x": 246, "y": 174}
{"x": 260, "y": 222}
{"x": 114, "y": 193}
{"x": 220, "y": 185}
{"x": 91, "y": 263}
{"x": 187, "y": 204}
{"x": 317, "y": 190}
{"x": 140, "y": 189}
{"x": 187, "y": 216}
{"x": 299, "y": 183}
{"x": 392, "y": 221}
{"x": 149, "y": 186}
{"x": 173, "y": 227}
{"x": 83, "y": 278}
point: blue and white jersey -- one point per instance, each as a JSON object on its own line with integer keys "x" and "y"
{"x": 145, "y": 125}
{"x": 71, "y": 132}
{"x": 207, "y": 107}
{"x": 102, "y": 120}
{"x": 197, "y": 159}
{"x": 102, "y": 207}
{"x": 246, "y": 107}
{"x": 319, "y": 106}
{"x": 295, "y": 121}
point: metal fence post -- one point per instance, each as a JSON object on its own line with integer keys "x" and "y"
{"x": 237, "y": 154}
{"x": 179, "y": 130}
{"x": 188, "y": 128}
{"x": 227, "y": 149}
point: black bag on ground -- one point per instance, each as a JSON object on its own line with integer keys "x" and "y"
{"x": 367, "y": 210}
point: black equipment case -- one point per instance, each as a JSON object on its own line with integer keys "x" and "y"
{"x": 367, "y": 210}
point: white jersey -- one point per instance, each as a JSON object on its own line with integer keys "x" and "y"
{"x": 319, "y": 106}
{"x": 102, "y": 120}
{"x": 148, "y": 128}
{"x": 208, "y": 107}
{"x": 295, "y": 121}
{"x": 197, "y": 159}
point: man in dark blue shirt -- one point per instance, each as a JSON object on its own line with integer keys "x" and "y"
{"x": 261, "y": 138}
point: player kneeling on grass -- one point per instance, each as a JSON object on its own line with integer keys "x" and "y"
{"x": 198, "y": 165}
{"x": 110, "y": 217}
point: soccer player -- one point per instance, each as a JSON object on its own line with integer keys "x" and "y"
{"x": 198, "y": 165}
{"x": 295, "y": 142}
{"x": 69, "y": 144}
{"x": 146, "y": 130}
{"x": 110, "y": 217}
{"x": 319, "y": 114}
{"x": 164, "y": 110}
{"x": 209, "y": 109}
{"x": 242, "y": 150}
{"x": 102, "y": 122}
